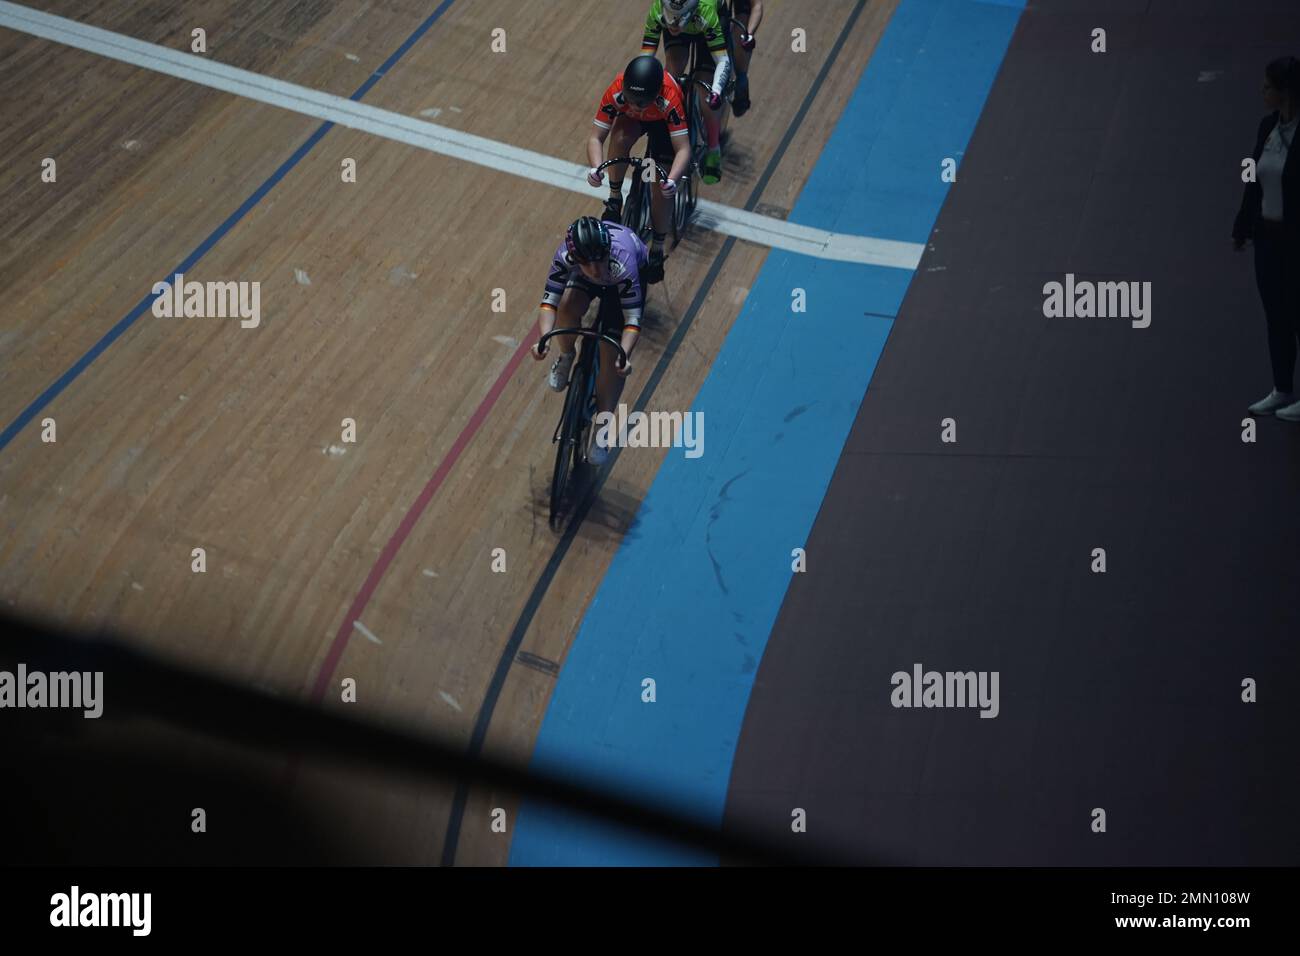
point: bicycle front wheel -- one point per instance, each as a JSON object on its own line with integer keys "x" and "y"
{"x": 568, "y": 448}
{"x": 683, "y": 206}
{"x": 636, "y": 216}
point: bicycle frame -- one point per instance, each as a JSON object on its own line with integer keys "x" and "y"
{"x": 636, "y": 211}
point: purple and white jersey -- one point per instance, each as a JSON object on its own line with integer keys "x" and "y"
{"x": 627, "y": 254}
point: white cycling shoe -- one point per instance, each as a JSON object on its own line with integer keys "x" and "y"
{"x": 597, "y": 454}
{"x": 558, "y": 380}
{"x": 1271, "y": 403}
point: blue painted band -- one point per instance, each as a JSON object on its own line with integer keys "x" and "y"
{"x": 691, "y": 596}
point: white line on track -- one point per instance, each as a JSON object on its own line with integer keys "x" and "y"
{"x": 538, "y": 167}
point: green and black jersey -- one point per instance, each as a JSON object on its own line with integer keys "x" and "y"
{"x": 704, "y": 22}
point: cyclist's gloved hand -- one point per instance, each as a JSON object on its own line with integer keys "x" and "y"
{"x": 714, "y": 100}
{"x": 595, "y": 176}
{"x": 623, "y": 370}
{"x": 668, "y": 187}
{"x": 748, "y": 40}
{"x": 538, "y": 352}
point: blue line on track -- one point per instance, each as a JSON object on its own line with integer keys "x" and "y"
{"x": 112, "y": 335}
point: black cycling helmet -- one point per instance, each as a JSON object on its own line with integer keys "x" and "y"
{"x": 588, "y": 239}
{"x": 642, "y": 80}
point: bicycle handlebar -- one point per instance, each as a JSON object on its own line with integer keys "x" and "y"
{"x": 587, "y": 333}
{"x": 638, "y": 162}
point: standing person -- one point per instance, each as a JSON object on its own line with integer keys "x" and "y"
{"x": 751, "y": 13}
{"x": 1270, "y": 217}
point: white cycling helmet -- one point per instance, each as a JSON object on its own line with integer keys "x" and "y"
{"x": 677, "y": 12}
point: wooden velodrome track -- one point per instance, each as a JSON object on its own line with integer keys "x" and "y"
{"x": 374, "y": 563}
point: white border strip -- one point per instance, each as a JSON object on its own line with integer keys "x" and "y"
{"x": 525, "y": 163}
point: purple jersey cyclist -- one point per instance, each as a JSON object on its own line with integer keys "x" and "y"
{"x": 596, "y": 260}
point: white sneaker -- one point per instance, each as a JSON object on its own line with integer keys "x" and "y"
{"x": 1289, "y": 413}
{"x": 559, "y": 377}
{"x": 1272, "y": 403}
{"x": 597, "y": 454}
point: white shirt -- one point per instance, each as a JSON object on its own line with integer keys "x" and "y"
{"x": 1269, "y": 168}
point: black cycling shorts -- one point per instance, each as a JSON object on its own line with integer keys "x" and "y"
{"x": 610, "y": 318}
{"x": 703, "y": 55}
{"x": 661, "y": 143}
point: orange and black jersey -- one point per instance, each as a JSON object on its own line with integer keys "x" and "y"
{"x": 668, "y": 106}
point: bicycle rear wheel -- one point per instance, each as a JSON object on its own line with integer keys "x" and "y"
{"x": 688, "y": 190}
{"x": 699, "y": 140}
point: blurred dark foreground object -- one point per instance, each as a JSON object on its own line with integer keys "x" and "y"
{"x": 120, "y": 789}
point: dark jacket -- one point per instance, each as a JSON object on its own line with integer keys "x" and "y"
{"x": 1253, "y": 199}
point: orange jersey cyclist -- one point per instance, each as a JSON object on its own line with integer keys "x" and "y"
{"x": 642, "y": 100}
{"x": 682, "y": 23}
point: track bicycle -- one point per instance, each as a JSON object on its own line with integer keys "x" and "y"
{"x": 573, "y": 431}
{"x": 691, "y": 87}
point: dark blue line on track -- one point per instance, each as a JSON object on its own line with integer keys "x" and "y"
{"x": 400, "y": 52}
{"x": 67, "y": 378}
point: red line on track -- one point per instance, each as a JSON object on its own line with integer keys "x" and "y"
{"x": 412, "y": 515}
